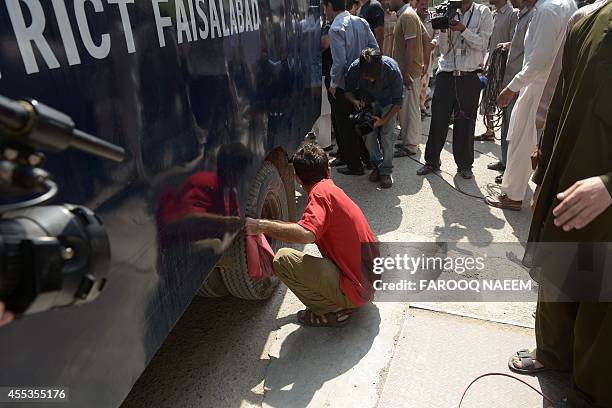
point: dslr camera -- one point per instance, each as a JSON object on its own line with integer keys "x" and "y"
{"x": 444, "y": 14}
{"x": 363, "y": 120}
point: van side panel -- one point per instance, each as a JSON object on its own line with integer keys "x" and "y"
{"x": 198, "y": 92}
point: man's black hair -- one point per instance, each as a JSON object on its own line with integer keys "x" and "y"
{"x": 310, "y": 163}
{"x": 337, "y": 5}
{"x": 370, "y": 62}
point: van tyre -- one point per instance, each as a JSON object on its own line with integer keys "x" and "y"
{"x": 213, "y": 286}
{"x": 267, "y": 199}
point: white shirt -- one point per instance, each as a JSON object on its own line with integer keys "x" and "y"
{"x": 466, "y": 51}
{"x": 348, "y": 36}
{"x": 544, "y": 37}
{"x": 553, "y": 77}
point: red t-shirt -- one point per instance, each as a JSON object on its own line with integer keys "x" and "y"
{"x": 340, "y": 229}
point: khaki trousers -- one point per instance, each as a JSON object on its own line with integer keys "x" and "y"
{"x": 410, "y": 116}
{"x": 315, "y": 281}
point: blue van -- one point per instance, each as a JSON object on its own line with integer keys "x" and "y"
{"x": 209, "y": 98}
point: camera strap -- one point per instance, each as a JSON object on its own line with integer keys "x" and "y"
{"x": 467, "y": 25}
{"x": 470, "y": 19}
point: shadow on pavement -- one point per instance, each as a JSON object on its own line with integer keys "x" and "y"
{"x": 216, "y": 340}
{"x": 309, "y": 357}
{"x": 464, "y": 217}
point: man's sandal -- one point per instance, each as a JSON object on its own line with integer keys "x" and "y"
{"x": 332, "y": 319}
{"x": 527, "y": 358}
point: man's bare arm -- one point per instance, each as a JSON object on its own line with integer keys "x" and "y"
{"x": 325, "y": 42}
{"x": 289, "y": 232}
{"x": 408, "y": 60}
{"x": 427, "y": 49}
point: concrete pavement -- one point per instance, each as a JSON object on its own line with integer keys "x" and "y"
{"x": 438, "y": 355}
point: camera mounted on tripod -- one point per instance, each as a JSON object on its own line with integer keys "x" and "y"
{"x": 445, "y": 13}
{"x": 50, "y": 256}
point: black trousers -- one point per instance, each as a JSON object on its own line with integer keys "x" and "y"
{"x": 351, "y": 147}
{"x": 458, "y": 95}
{"x": 330, "y": 98}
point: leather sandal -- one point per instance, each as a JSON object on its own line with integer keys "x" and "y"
{"x": 502, "y": 201}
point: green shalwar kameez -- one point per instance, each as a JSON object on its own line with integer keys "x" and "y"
{"x": 577, "y": 144}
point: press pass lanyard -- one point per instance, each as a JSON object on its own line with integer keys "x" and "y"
{"x": 470, "y": 19}
{"x": 467, "y": 25}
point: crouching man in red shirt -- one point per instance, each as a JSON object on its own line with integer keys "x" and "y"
{"x": 333, "y": 286}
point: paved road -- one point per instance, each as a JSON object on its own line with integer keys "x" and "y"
{"x": 234, "y": 353}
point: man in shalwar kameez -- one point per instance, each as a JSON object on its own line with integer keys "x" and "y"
{"x": 543, "y": 40}
{"x": 573, "y": 205}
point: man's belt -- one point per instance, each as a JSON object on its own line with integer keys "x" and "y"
{"x": 458, "y": 73}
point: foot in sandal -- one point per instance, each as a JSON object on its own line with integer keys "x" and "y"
{"x": 338, "y": 318}
{"x": 524, "y": 362}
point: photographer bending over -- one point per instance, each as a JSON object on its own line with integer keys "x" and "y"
{"x": 375, "y": 83}
{"x": 331, "y": 286}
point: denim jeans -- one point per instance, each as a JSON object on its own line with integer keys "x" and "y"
{"x": 381, "y": 144}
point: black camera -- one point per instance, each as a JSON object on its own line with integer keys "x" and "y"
{"x": 363, "y": 120}
{"x": 445, "y": 13}
{"x": 50, "y": 256}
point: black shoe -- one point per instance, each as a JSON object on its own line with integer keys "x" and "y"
{"x": 485, "y": 137}
{"x": 499, "y": 178}
{"x": 337, "y": 162}
{"x": 351, "y": 172}
{"x": 386, "y": 181}
{"x": 374, "y": 176}
{"x": 426, "y": 169}
{"x": 466, "y": 173}
{"x": 497, "y": 166}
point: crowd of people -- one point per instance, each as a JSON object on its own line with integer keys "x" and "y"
{"x": 376, "y": 58}
{"x": 556, "y": 128}
{"x": 444, "y": 67}
{"x": 556, "y": 123}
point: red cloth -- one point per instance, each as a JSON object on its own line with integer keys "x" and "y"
{"x": 200, "y": 193}
{"x": 259, "y": 257}
{"x": 340, "y": 229}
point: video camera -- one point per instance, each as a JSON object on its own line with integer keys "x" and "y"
{"x": 50, "y": 256}
{"x": 445, "y": 13}
{"x": 363, "y": 120}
